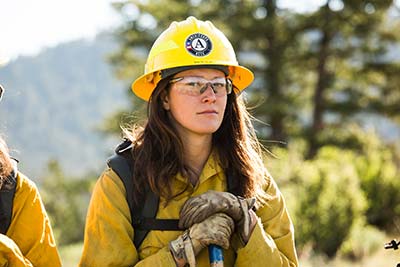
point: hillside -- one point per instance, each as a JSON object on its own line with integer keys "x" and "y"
{"x": 54, "y": 104}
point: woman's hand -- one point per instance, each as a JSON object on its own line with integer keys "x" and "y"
{"x": 198, "y": 208}
{"x": 216, "y": 229}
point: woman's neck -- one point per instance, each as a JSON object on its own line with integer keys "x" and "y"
{"x": 197, "y": 149}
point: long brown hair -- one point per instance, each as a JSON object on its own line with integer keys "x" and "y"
{"x": 5, "y": 162}
{"x": 158, "y": 149}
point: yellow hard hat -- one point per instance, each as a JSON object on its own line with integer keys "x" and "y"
{"x": 191, "y": 43}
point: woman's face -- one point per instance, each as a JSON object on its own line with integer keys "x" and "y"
{"x": 193, "y": 105}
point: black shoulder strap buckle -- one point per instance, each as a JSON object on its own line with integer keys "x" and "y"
{"x": 126, "y": 145}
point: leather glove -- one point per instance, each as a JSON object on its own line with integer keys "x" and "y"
{"x": 216, "y": 229}
{"x": 196, "y": 209}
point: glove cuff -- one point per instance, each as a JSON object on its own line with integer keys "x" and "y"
{"x": 245, "y": 223}
{"x": 182, "y": 250}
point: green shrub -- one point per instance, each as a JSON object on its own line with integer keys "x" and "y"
{"x": 380, "y": 180}
{"x": 328, "y": 198}
{"x": 66, "y": 201}
{"x": 363, "y": 240}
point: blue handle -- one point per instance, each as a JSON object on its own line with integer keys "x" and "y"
{"x": 216, "y": 256}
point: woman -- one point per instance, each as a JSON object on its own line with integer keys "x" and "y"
{"x": 198, "y": 133}
{"x": 27, "y": 239}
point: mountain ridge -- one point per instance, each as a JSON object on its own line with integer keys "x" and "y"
{"x": 56, "y": 101}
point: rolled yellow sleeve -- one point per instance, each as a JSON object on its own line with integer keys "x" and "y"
{"x": 272, "y": 240}
{"x": 29, "y": 240}
{"x": 10, "y": 253}
{"x": 108, "y": 231}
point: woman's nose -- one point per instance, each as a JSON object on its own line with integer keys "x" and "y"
{"x": 209, "y": 94}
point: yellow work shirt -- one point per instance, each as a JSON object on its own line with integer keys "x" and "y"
{"x": 29, "y": 240}
{"x": 109, "y": 233}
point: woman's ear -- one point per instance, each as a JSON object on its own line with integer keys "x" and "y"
{"x": 165, "y": 100}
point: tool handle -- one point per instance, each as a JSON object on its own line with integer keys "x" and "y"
{"x": 216, "y": 256}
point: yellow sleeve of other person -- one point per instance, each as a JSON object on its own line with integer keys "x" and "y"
{"x": 108, "y": 233}
{"x": 29, "y": 240}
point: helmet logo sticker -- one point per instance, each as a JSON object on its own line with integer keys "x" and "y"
{"x": 198, "y": 44}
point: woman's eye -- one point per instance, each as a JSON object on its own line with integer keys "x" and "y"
{"x": 218, "y": 85}
{"x": 194, "y": 84}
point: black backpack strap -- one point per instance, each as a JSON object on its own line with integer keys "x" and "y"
{"x": 6, "y": 200}
{"x": 142, "y": 216}
{"x": 146, "y": 221}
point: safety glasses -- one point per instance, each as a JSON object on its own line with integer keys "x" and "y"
{"x": 195, "y": 86}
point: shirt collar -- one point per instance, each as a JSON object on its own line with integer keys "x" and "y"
{"x": 211, "y": 168}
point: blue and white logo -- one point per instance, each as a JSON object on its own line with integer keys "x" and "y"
{"x": 198, "y": 44}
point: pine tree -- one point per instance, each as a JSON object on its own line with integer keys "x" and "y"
{"x": 347, "y": 49}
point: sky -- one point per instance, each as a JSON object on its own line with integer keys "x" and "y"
{"x": 29, "y": 26}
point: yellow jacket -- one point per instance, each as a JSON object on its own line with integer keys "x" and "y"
{"x": 29, "y": 240}
{"x": 108, "y": 233}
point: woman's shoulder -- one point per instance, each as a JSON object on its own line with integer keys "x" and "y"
{"x": 26, "y": 191}
{"x": 109, "y": 181}
{"x": 24, "y": 183}
{"x": 109, "y": 175}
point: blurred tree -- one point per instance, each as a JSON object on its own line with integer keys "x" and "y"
{"x": 348, "y": 52}
{"x": 66, "y": 201}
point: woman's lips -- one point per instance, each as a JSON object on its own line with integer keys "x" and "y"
{"x": 208, "y": 112}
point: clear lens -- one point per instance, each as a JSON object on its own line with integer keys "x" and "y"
{"x": 195, "y": 86}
